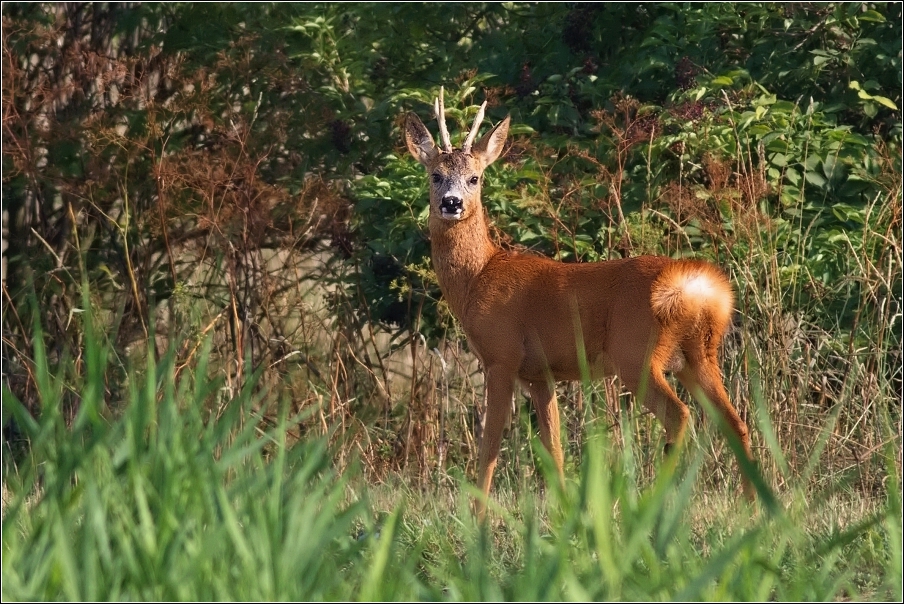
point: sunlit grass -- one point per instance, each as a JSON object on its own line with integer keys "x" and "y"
{"x": 168, "y": 501}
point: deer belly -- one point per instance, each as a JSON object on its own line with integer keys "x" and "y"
{"x": 562, "y": 362}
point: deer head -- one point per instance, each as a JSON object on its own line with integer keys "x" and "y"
{"x": 455, "y": 174}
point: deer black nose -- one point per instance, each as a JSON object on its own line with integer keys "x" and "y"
{"x": 451, "y": 204}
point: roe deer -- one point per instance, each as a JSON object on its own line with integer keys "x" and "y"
{"x": 533, "y": 320}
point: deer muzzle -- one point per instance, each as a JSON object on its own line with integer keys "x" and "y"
{"x": 451, "y": 207}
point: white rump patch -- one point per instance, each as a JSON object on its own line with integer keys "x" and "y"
{"x": 699, "y": 286}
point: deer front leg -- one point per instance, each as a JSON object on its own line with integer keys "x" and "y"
{"x": 543, "y": 397}
{"x": 500, "y": 388}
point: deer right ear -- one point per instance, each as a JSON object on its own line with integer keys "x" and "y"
{"x": 419, "y": 140}
{"x": 489, "y": 148}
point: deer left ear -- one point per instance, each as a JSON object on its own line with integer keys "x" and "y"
{"x": 419, "y": 140}
{"x": 489, "y": 148}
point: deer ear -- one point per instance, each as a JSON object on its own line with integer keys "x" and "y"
{"x": 419, "y": 140}
{"x": 489, "y": 148}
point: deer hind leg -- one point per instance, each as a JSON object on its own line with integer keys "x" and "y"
{"x": 703, "y": 379}
{"x": 543, "y": 397}
{"x": 500, "y": 388}
{"x": 660, "y": 398}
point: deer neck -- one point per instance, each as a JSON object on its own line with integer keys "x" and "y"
{"x": 460, "y": 251}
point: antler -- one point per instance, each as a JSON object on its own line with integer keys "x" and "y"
{"x": 473, "y": 133}
{"x": 440, "y": 110}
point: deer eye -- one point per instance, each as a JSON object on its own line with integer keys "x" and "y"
{"x": 437, "y": 179}
{"x": 474, "y": 180}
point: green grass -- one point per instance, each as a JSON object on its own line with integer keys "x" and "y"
{"x": 168, "y": 500}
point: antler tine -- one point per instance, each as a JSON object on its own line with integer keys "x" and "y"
{"x": 474, "y": 129}
{"x": 440, "y": 110}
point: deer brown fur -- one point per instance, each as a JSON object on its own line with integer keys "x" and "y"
{"x": 535, "y": 321}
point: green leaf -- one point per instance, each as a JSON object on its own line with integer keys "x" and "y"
{"x": 521, "y": 129}
{"x": 814, "y": 178}
{"x": 846, "y": 213}
{"x": 790, "y": 195}
{"x": 849, "y": 137}
{"x": 779, "y": 159}
{"x": 784, "y": 107}
{"x": 854, "y": 186}
{"x": 775, "y": 143}
{"x": 831, "y": 169}
{"x": 885, "y": 101}
{"x": 872, "y": 16}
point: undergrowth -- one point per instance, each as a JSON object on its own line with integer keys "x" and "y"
{"x": 169, "y": 500}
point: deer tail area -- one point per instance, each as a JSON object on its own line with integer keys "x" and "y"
{"x": 693, "y": 296}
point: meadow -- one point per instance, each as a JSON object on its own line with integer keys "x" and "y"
{"x": 228, "y": 371}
